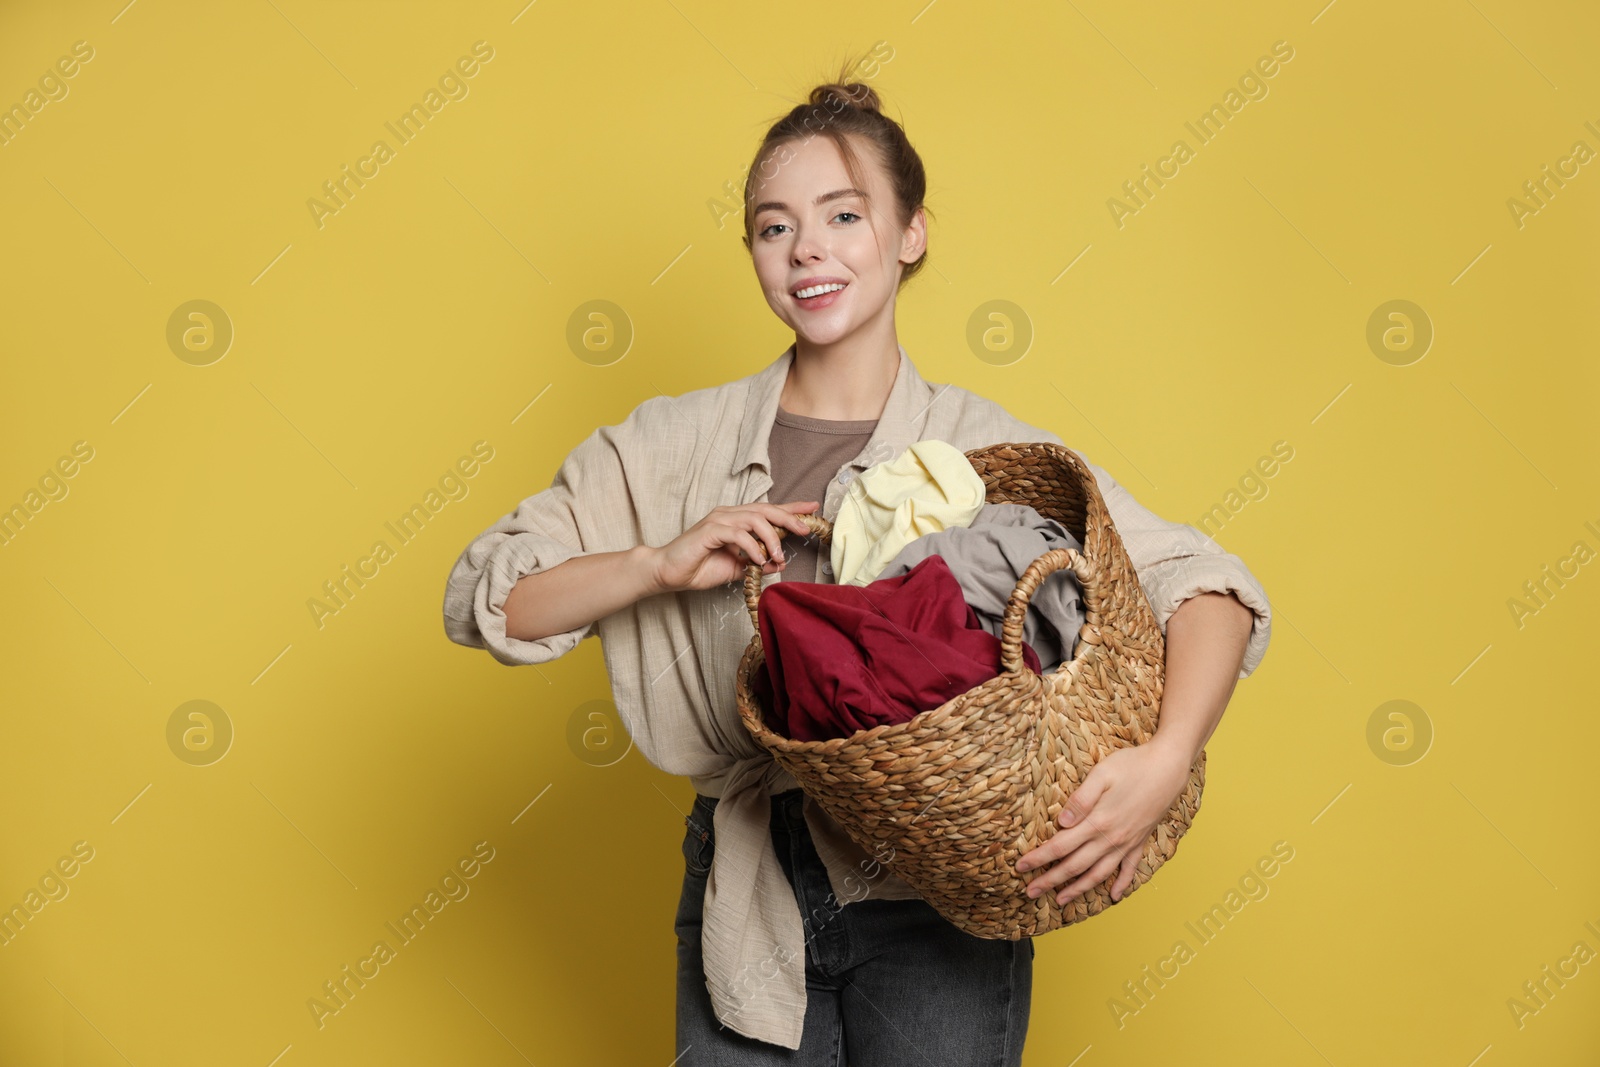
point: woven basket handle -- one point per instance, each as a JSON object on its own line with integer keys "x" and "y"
{"x": 752, "y": 574}
{"x": 1017, "y": 607}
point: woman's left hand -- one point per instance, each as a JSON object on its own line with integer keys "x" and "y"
{"x": 1107, "y": 820}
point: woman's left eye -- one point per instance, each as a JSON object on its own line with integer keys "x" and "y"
{"x": 842, "y": 214}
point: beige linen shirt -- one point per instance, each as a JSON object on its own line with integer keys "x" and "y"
{"x": 672, "y": 657}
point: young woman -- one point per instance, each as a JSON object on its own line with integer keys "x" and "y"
{"x": 794, "y": 946}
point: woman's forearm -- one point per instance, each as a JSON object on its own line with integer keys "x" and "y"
{"x": 1206, "y": 640}
{"x": 579, "y": 591}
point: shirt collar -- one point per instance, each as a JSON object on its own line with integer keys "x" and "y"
{"x": 904, "y": 417}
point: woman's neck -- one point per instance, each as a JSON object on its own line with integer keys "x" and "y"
{"x": 840, "y": 383}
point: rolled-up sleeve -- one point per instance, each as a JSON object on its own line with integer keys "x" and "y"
{"x": 588, "y": 508}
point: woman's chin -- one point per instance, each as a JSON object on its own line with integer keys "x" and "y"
{"x": 819, "y": 334}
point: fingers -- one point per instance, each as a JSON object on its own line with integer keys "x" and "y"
{"x": 1130, "y": 867}
{"x": 741, "y": 528}
{"x": 754, "y": 551}
{"x": 754, "y": 532}
{"x": 1065, "y": 856}
{"x": 771, "y": 539}
{"x": 1082, "y": 800}
{"x": 785, "y": 514}
{"x": 1077, "y": 818}
{"x": 1095, "y": 875}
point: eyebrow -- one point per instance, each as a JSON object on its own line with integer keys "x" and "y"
{"x": 778, "y": 205}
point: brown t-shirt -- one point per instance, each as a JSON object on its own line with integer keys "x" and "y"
{"x": 805, "y": 454}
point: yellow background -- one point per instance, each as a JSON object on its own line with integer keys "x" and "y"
{"x": 369, "y": 753}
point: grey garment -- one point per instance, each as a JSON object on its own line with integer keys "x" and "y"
{"x": 987, "y": 558}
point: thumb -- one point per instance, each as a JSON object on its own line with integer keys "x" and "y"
{"x": 1078, "y": 804}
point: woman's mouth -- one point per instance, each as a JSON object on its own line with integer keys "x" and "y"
{"x": 814, "y": 297}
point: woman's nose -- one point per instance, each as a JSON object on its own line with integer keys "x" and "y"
{"x": 807, "y": 248}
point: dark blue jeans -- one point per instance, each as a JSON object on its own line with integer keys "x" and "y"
{"x": 888, "y": 982}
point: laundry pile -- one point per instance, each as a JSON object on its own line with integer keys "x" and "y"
{"x": 924, "y": 569}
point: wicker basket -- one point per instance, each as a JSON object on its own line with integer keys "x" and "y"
{"x": 956, "y": 795}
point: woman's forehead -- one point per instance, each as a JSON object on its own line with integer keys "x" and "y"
{"x": 807, "y": 171}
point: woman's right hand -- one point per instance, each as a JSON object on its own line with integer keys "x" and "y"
{"x": 717, "y": 549}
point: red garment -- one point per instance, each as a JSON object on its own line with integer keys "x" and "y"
{"x": 842, "y": 658}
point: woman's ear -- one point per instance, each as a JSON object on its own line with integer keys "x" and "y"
{"x": 915, "y": 239}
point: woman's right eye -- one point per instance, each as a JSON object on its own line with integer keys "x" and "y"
{"x": 774, "y": 226}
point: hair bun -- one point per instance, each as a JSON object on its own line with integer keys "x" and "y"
{"x": 853, "y": 93}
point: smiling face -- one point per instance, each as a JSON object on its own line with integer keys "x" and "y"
{"x": 811, "y": 229}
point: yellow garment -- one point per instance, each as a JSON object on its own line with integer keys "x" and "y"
{"x": 931, "y": 486}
